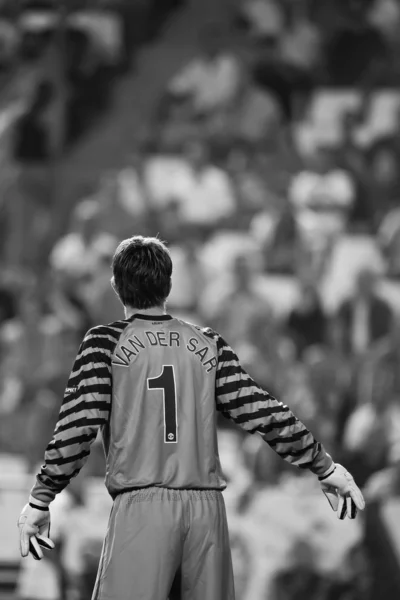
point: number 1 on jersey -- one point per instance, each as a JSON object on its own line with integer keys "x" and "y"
{"x": 166, "y": 383}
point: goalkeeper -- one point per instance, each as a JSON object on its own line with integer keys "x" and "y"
{"x": 153, "y": 384}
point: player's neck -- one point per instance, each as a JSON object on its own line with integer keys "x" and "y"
{"x": 155, "y": 310}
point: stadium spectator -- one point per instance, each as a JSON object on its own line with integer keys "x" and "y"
{"x": 277, "y": 234}
{"x": 307, "y": 322}
{"x": 78, "y": 252}
{"x": 188, "y": 277}
{"x": 218, "y": 254}
{"x": 274, "y": 74}
{"x": 88, "y": 87}
{"x": 104, "y": 29}
{"x": 389, "y": 140}
{"x": 242, "y": 303}
{"x": 384, "y": 15}
{"x": 261, "y": 18}
{"x": 165, "y": 179}
{"x": 175, "y": 124}
{"x": 393, "y": 256}
{"x": 365, "y": 317}
{"x": 300, "y": 579}
{"x": 385, "y": 181}
{"x": 250, "y": 182}
{"x": 7, "y": 304}
{"x": 371, "y": 436}
{"x": 388, "y": 237}
{"x": 100, "y": 300}
{"x": 253, "y": 116}
{"x": 8, "y": 44}
{"x": 64, "y": 310}
{"x": 122, "y": 198}
{"x": 357, "y": 51}
{"x": 330, "y": 378}
{"x": 381, "y": 375}
{"x": 301, "y": 42}
{"x": 32, "y": 135}
{"x": 380, "y": 384}
{"x": 211, "y": 79}
{"x": 266, "y": 353}
{"x": 353, "y": 159}
{"x": 206, "y": 196}
{"x": 383, "y": 485}
{"x": 322, "y": 196}
{"x": 11, "y": 385}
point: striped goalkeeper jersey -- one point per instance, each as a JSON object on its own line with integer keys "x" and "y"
{"x": 153, "y": 386}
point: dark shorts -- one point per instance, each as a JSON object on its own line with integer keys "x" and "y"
{"x": 155, "y": 532}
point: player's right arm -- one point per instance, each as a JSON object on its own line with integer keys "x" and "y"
{"x": 84, "y": 411}
{"x": 240, "y": 399}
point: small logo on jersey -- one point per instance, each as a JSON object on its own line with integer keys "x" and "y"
{"x": 171, "y": 436}
{"x": 71, "y": 390}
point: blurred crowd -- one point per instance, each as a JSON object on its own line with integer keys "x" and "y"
{"x": 271, "y": 168}
{"x": 61, "y": 61}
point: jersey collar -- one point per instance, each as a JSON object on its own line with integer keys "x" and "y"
{"x": 151, "y": 317}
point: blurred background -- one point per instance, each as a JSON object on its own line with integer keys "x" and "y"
{"x": 261, "y": 139}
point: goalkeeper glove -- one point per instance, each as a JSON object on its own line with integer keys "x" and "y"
{"x": 342, "y": 492}
{"x": 34, "y": 530}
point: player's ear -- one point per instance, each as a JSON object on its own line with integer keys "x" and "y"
{"x": 112, "y": 281}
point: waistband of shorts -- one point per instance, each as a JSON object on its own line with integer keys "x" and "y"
{"x": 169, "y": 494}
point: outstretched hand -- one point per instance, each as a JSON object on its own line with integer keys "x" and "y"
{"x": 34, "y": 532}
{"x": 342, "y": 493}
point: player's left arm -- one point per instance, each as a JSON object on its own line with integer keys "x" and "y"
{"x": 242, "y": 400}
{"x": 85, "y": 409}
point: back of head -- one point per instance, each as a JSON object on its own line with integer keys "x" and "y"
{"x": 142, "y": 269}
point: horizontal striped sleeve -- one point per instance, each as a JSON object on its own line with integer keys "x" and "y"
{"x": 85, "y": 409}
{"x": 240, "y": 399}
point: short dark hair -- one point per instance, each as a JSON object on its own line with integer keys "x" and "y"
{"x": 142, "y": 269}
